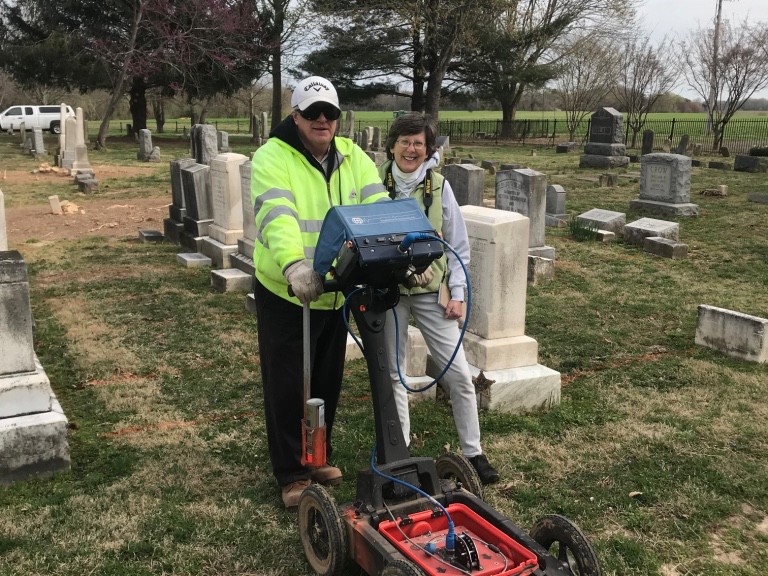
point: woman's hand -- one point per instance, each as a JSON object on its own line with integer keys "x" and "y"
{"x": 454, "y": 310}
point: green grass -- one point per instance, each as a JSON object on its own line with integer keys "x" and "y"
{"x": 657, "y": 450}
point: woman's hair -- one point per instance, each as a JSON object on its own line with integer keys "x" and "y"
{"x": 408, "y": 125}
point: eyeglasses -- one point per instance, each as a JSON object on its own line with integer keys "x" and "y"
{"x": 331, "y": 113}
{"x": 408, "y": 143}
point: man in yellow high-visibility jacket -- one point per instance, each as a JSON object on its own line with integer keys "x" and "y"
{"x": 301, "y": 172}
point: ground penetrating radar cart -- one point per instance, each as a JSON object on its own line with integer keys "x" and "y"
{"x": 413, "y": 516}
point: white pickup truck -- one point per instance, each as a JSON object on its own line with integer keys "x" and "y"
{"x": 44, "y": 117}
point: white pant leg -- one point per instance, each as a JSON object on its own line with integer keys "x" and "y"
{"x": 401, "y": 394}
{"x": 441, "y": 335}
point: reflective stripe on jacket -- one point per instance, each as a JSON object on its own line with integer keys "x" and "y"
{"x": 290, "y": 199}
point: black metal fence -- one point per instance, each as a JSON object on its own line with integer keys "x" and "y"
{"x": 740, "y": 135}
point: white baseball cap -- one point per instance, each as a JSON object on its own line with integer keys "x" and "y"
{"x": 314, "y": 89}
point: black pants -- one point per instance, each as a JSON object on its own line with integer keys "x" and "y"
{"x": 281, "y": 353}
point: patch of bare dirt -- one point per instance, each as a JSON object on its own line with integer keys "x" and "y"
{"x": 84, "y": 216}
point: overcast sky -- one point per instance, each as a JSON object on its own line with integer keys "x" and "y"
{"x": 679, "y": 17}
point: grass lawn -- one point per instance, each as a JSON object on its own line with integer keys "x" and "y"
{"x": 657, "y": 450}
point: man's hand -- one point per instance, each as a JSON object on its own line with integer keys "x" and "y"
{"x": 420, "y": 280}
{"x": 306, "y": 284}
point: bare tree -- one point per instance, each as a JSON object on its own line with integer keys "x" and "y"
{"x": 588, "y": 73}
{"x": 646, "y": 74}
{"x": 732, "y": 73}
{"x": 516, "y": 45}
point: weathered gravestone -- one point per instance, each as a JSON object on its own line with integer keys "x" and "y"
{"x": 556, "y": 216}
{"x": 38, "y": 146}
{"x": 467, "y": 182}
{"x": 604, "y": 220}
{"x": 495, "y": 341}
{"x": 665, "y": 186}
{"x": 227, "y": 209}
{"x": 145, "y": 145}
{"x": 204, "y": 143}
{"x": 525, "y": 191}
{"x": 636, "y": 232}
{"x": 197, "y": 200}
{"x": 682, "y": 147}
{"x": 222, "y": 141}
{"x": 605, "y": 148}
{"x": 33, "y": 428}
{"x": 735, "y": 334}
{"x": 647, "y": 147}
{"x": 173, "y": 226}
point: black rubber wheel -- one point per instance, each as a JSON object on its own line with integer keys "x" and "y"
{"x": 456, "y": 467}
{"x": 401, "y": 568}
{"x": 55, "y": 128}
{"x": 567, "y": 543}
{"x": 321, "y": 530}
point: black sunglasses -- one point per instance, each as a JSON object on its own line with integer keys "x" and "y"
{"x": 331, "y": 113}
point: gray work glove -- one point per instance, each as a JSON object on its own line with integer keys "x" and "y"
{"x": 420, "y": 280}
{"x": 307, "y": 284}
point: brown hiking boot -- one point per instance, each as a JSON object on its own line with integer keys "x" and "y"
{"x": 292, "y": 492}
{"x": 328, "y": 475}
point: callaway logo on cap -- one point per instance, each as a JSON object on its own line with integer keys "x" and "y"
{"x": 314, "y": 89}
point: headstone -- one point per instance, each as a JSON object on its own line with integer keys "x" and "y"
{"x": 378, "y": 157}
{"x": 204, "y": 143}
{"x": 467, "y": 182}
{"x": 3, "y": 225}
{"x": 443, "y": 142}
{"x": 725, "y": 152}
{"x": 33, "y": 429}
{"x": 667, "y": 146}
{"x": 752, "y": 164}
{"x": 636, "y": 232}
{"x": 757, "y": 197}
{"x": 197, "y": 200}
{"x": 23, "y": 134}
{"x": 605, "y": 148}
{"x": 243, "y": 258}
{"x": 495, "y": 342}
{"x": 682, "y": 147}
{"x": 609, "y": 180}
{"x": 604, "y": 220}
{"x": 697, "y": 149}
{"x": 62, "y": 127}
{"x": 81, "y": 165}
{"x": 376, "y": 143}
{"x": 364, "y": 139}
{"x": 38, "y": 146}
{"x": 665, "y": 186}
{"x": 665, "y": 247}
{"x": 154, "y": 156}
{"x": 174, "y": 224}
{"x": 525, "y": 191}
{"x": 145, "y": 145}
{"x": 222, "y": 141}
{"x": 733, "y": 333}
{"x": 227, "y": 209}
{"x": 647, "y": 147}
{"x": 349, "y": 129}
{"x": 556, "y": 216}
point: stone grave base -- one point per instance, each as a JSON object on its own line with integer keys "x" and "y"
{"x": 25, "y": 392}
{"x": 542, "y": 252}
{"x": 34, "y": 445}
{"x": 218, "y": 253}
{"x": 242, "y": 263}
{"x": 540, "y": 270}
{"x": 500, "y": 353}
{"x": 664, "y": 208}
{"x": 231, "y": 280}
{"x": 190, "y": 242}
{"x": 519, "y": 390}
{"x": 193, "y": 260}
{"x": 226, "y": 236}
{"x": 250, "y": 303}
{"x": 596, "y": 161}
{"x": 172, "y": 230}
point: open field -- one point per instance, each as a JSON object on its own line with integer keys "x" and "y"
{"x": 657, "y": 451}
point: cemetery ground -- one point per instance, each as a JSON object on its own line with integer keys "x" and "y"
{"x": 657, "y": 450}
